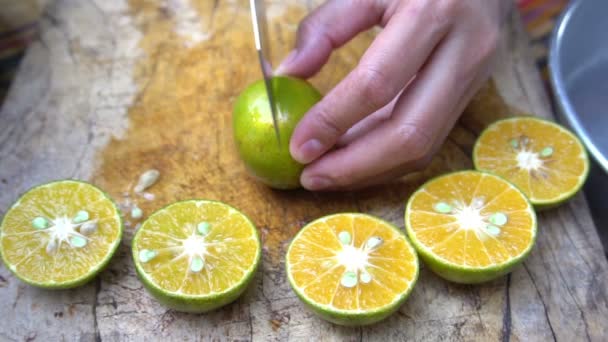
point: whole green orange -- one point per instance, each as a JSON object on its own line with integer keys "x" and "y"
{"x": 267, "y": 159}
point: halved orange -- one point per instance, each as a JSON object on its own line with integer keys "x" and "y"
{"x": 351, "y": 269}
{"x": 544, "y": 160}
{"x": 470, "y": 226}
{"x": 60, "y": 234}
{"x": 196, "y": 255}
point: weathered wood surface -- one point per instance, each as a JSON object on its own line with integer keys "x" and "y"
{"x": 112, "y": 88}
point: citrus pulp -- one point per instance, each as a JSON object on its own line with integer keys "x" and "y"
{"x": 60, "y": 234}
{"x": 351, "y": 269}
{"x": 470, "y": 226}
{"x": 196, "y": 255}
{"x": 544, "y": 160}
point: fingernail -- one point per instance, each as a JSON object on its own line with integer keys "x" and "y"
{"x": 308, "y": 151}
{"x": 285, "y": 63}
{"x": 316, "y": 183}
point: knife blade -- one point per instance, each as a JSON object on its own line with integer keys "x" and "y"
{"x": 260, "y": 33}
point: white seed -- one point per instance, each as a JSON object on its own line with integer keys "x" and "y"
{"x": 51, "y": 247}
{"x": 499, "y": 219}
{"x": 443, "y": 208}
{"x": 40, "y": 223}
{"x": 88, "y": 228}
{"x": 344, "y": 237}
{"x": 146, "y": 255}
{"x": 365, "y": 277}
{"x": 203, "y": 228}
{"x": 197, "y": 264}
{"x": 148, "y": 196}
{"x": 524, "y": 140}
{"x": 546, "y": 152}
{"x": 514, "y": 143}
{"x": 373, "y": 242}
{"x": 78, "y": 241}
{"x": 349, "y": 279}
{"x": 81, "y": 216}
{"x": 492, "y": 230}
{"x": 478, "y": 202}
{"x": 136, "y": 213}
{"x": 146, "y": 180}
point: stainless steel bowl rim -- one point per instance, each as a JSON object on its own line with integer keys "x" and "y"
{"x": 558, "y": 84}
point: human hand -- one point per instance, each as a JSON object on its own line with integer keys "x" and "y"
{"x": 391, "y": 113}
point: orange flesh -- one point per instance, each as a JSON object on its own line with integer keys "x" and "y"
{"x": 446, "y": 237}
{"x": 560, "y": 173}
{"x": 24, "y": 247}
{"x": 231, "y": 247}
{"x": 315, "y": 270}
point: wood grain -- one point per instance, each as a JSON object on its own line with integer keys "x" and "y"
{"x": 113, "y": 88}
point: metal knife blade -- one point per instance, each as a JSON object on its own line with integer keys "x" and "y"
{"x": 260, "y": 33}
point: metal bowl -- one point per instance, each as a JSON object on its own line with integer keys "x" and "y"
{"x": 578, "y": 62}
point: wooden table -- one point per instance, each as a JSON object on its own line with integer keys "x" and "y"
{"x": 113, "y": 88}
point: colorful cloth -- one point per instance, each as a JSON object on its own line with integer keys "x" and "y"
{"x": 540, "y": 17}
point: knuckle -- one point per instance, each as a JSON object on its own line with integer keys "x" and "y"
{"x": 375, "y": 86}
{"x": 307, "y": 26}
{"x": 415, "y": 142}
{"x": 328, "y": 123}
{"x": 445, "y": 11}
{"x": 479, "y": 56}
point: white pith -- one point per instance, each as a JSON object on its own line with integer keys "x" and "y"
{"x": 194, "y": 245}
{"x": 469, "y": 217}
{"x": 352, "y": 258}
{"x": 528, "y": 160}
{"x": 62, "y": 229}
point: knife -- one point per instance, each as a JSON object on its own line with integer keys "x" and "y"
{"x": 260, "y": 33}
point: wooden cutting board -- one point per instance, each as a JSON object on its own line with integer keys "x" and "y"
{"x": 113, "y": 88}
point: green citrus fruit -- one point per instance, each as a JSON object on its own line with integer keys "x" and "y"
{"x": 351, "y": 269}
{"x": 196, "y": 255}
{"x": 267, "y": 159}
{"x": 60, "y": 235}
{"x": 470, "y": 227}
{"x": 544, "y": 160}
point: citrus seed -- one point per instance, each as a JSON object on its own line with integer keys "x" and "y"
{"x": 492, "y": 230}
{"x": 443, "y": 208}
{"x": 146, "y": 180}
{"x": 78, "y": 241}
{"x": 197, "y": 264}
{"x": 40, "y": 223}
{"x": 88, "y": 228}
{"x": 344, "y": 238}
{"x": 514, "y": 143}
{"x": 81, "y": 216}
{"x": 365, "y": 277}
{"x": 373, "y": 242}
{"x": 203, "y": 228}
{"x": 478, "y": 202}
{"x": 349, "y": 279}
{"x": 146, "y": 255}
{"x": 499, "y": 219}
{"x": 546, "y": 152}
{"x": 51, "y": 247}
{"x": 136, "y": 213}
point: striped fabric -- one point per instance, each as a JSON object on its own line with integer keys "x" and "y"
{"x": 539, "y": 17}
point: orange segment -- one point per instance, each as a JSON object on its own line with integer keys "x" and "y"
{"x": 46, "y": 256}
{"x": 382, "y": 263}
{"x": 485, "y": 222}
{"x": 544, "y": 160}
